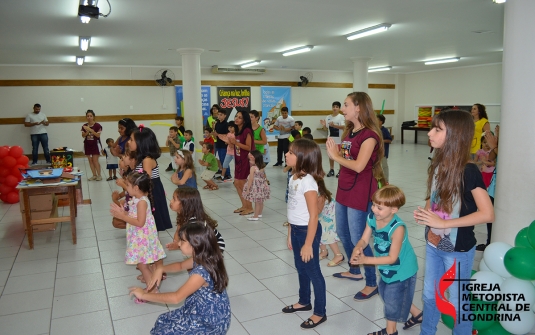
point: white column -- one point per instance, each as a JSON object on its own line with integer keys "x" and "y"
{"x": 360, "y": 74}
{"x": 191, "y": 83}
{"x": 514, "y": 203}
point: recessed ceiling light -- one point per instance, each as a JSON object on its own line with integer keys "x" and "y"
{"x": 249, "y": 64}
{"x": 80, "y": 60}
{"x": 443, "y": 60}
{"x": 84, "y": 42}
{"x": 369, "y": 31}
{"x": 379, "y": 68}
{"x": 298, "y": 50}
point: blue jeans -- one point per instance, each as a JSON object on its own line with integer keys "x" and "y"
{"x": 222, "y": 153}
{"x": 43, "y": 138}
{"x": 350, "y": 225}
{"x": 437, "y": 262}
{"x": 309, "y": 272}
{"x": 397, "y": 298}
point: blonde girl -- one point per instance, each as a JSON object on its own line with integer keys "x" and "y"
{"x": 185, "y": 172}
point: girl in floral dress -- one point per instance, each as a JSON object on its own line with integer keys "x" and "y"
{"x": 143, "y": 246}
{"x": 256, "y": 189}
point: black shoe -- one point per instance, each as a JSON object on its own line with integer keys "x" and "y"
{"x": 291, "y": 309}
{"x": 309, "y": 324}
{"x": 169, "y": 169}
{"x": 338, "y": 174}
{"x": 331, "y": 173}
{"x": 481, "y": 247}
{"x": 278, "y": 164}
{"x": 114, "y": 177}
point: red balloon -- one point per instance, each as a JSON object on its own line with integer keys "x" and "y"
{"x": 4, "y": 172}
{"x": 16, "y": 172}
{"x": 4, "y": 189}
{"x": 9, "y": 162}
{"x": 12, "y": 197}
{"x": 2, "y": 180}
{"x": 15, "y": 151}
{"x": 23, "y": 160}
{"x": 3, "y": 197}
{"x": 4, "y": 151}
{"x": 11, "y": 181}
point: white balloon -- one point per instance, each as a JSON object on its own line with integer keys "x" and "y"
{"x": 526, "y": 323}
{"x": 515, "y": 285}
{"x": 488, "y": 278}
{"x": 494, "y": 255}
{"x": 483, "y": 266}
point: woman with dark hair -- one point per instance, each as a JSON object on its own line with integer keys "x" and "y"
{"x": 126, "y": 126}
{"x": 479, "y": 113}
{"x": 243, "y": 144}
{"x": 91, "y": 134}
{"x": 360, "y": 170}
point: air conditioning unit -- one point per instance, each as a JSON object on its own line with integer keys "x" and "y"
{"x": 236, "y": 70}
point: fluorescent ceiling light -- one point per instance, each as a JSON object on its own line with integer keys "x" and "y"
{"x": 249, "y": 64}
{"x": 499, "y": 1}
{"x": 443, "y": 60}
{"x": 299, "y": 50}
{"x": 368, "y": 31}
{"x": 84, "y": 42}
{"x": 380, "y": 68}
{"x": 80, "y": 60}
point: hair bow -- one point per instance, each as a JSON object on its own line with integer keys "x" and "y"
{"x": 141, "y": 126}
{"x": 140, "y": 170}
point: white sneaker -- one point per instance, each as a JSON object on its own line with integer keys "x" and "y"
{"x": 259, "y": 216}
{"x": 252, "y": 219}
{"x": 99, "y": 178}
{"x": 92, "y": 178}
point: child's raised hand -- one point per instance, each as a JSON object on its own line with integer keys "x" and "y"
{"x": 172, "y": 246}
{"x": 429, "y": 218}
{"x": 115, "y": 195}
{"x": 306, "y": 253}
{"x": 136, "y": 291}
{"x": 116, "y": 210}
{"x": 357, "y": 252}
{"x": 156, "y": 279}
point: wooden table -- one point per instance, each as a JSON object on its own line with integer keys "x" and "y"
{"x": 416, "y": 130}
{"x": 69, "y": 188}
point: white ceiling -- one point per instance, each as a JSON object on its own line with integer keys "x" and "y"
{"x": 148, "y": 32}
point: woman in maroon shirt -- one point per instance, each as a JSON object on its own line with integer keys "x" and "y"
{"x": 91, "y": 134}
{"x": 243, "y": 143}
{"x": 360, "y": 168}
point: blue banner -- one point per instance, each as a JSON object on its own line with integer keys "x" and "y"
{"x": 273, "y": 99}
{"x": 205, "y": 101}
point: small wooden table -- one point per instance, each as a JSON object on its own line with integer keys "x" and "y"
{"x": 416, "y": 130}
{"x": 69, "y": 188}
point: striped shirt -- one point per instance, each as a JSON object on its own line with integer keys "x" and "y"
{"x": 155, "y": 173}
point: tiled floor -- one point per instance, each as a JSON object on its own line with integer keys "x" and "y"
{"x": 61, "y": 288}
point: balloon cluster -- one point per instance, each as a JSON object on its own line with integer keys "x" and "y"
{"x": 513, "y": 270}
{"x": 11, "y": 159}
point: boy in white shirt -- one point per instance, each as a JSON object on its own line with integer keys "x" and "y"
{"x": 334, "y": 124}
{"x": 284, "y": 124}
{"x": 37, "y": 121}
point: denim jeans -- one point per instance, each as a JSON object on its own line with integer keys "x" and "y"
{"x": 309, "y": 272}
{"x": 222, "y": 153}
{"x": 397, "y": 298}
{"x": 437, "y": 262}
{"x": 350, "y": 225}
{"x": 43, "y": 138}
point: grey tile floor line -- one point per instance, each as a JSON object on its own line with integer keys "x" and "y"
{"x": 61, "y": 288}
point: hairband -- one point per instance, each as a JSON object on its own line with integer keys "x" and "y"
{"x": 141, "y": 126}
{"x": 180, "y": 153}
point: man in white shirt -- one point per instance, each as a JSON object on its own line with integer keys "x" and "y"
{"x": 284, "y": 125}
{"x": 334, "y": 124}
{"x": 37, "y": 122}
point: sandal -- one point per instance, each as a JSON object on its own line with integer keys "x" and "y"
{"x": 324, "y": 255}
{"x": 309, "y": 324}
{"x": 413, "y": 321}
{"x": 207, "y": 187}
{"x": 247, "y": 213}
{"x": 214, "y": 188}
{"x": 331, "y": 263}
{"x": 239, "y": 210}
{"x": 382, "y": 332}
{"x": 110, "y": 178}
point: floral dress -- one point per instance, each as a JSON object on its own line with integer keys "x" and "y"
{"x": 204, "y": 312}
{"x": 328, "y": 224}
{"x": 142, "y": 243}
{"x": 259, "y": 191}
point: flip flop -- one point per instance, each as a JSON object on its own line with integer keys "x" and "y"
{"x": 206, "y": 187}
{"x": 332, "y": 264}
{"x": 247, "y": 213}
{"x": 339, "y": 275}
{"x": 239, "y": 210}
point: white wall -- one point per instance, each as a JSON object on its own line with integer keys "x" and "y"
{"x": 457, "y": 86}
{"x": 460, "y": 86}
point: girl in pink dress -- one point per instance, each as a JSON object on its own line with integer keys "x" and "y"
{"x": 256, "y": 189}
{"x": 142, "y": 244}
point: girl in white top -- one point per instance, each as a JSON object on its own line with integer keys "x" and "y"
{"x": 304, "y": 231}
